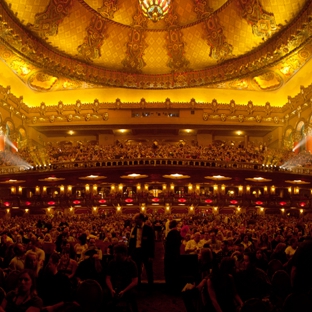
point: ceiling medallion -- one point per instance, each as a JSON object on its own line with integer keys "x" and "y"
{"x": 155, "y": 10}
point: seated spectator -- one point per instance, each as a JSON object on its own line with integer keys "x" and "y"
{"x": 122, "y": 278}
{"x": 279, "y": 253}
{"x": 67, "y": 265}
{"x": 291, "y": 248}
{"x": 251, "y": 282}
{"x": 92, "y": 249}
{"x": 193, "y": 246}
{"x": 32, "y": 263}
{"x": 221, "y": 287}
{"x": 24, "y": 298}
{"x": 34, "y": 247}
{"x": 18, "y": 262}
{"x": 213, "y": 242}
{"x": 53, "y": 286}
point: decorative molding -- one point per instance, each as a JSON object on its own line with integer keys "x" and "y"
{"x": 91, "y": 47}
{"x": 262, "y": 23}
{"x": 295, "y": 40}
{"x": 47, "y": 22}
{"x": 136, "y": 45}
{"x": 175, "y": 45}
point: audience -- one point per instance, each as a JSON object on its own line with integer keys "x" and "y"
{"x": 246, "y": 240}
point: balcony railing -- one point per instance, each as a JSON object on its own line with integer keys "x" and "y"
{"x": 153, "y": 162}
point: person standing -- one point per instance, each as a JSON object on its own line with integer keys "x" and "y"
{"x": 142, "y": 247}
{"x": 172, "y": 256}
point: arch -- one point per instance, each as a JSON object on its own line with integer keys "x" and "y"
{"x": 299, "y": 137}
{"x": 21, "y": 138}
{"x": 289, "y": 138}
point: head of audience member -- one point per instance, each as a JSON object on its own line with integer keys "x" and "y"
{"x": 225, "y": 246}
{"x": 31, "y": 261}
{"x": 259, "y": 254}
{"x": 248, "y": 260}
{"x": 120, "y": 252}
{"x": 19, "y": 249}
{"x": 293, "y": 242}
{"x": 280, "y": 247}
{"x": 227, "y": 265}
{"x": 196, "y": 237}
{"x": 34, "y": 243}
{"x": 139, "y": 219}
{"x": 212, "y": 235}
{"x": 53, "y": 263}
{"x": 187, "y": 237}
{"x": 173, "y": 224}
{"x": 47, "y": 238}
{"x": 26, "y": 282}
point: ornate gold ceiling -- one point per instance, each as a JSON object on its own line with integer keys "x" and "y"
{"x": 256, "y": 45}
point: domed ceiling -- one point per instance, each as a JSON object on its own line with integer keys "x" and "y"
{"x": 255, "y": 45}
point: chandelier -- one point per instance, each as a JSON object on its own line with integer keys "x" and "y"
{"x": 155, "y": 10}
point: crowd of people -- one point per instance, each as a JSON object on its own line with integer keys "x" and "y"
{"x": 93, "y": 263}
{"x": 219, "y": 151}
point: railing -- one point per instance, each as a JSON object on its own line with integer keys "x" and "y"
{"x": 154, "y": 162}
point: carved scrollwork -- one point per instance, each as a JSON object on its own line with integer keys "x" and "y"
{"x": 205, "y": 116}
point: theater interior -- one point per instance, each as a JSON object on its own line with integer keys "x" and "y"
{"x": 99, "y": 73}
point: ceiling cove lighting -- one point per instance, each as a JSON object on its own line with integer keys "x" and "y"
{"x": 155, "y": 10}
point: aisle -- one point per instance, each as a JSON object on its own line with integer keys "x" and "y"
{"x": 158, "y": 264}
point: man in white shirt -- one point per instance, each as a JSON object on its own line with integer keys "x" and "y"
{"x": 193, "y": 246}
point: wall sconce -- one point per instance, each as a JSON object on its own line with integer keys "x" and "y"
{"x": 240, "y": 189}
{"x": 13, "y": 189}
{"x": 26, "y": 210}
{"x": 62, "y": 189}
{"x": 238, "y": 209}
{"x": 301, "y": 210}
{"x": 190, "y": 187}
{"x": 118, "y": 208}
{"x": 146, "y": 187}
{"x": 71, "y": 209}
{"x": 143, "y": 207}
{"x": 261, "y": 209}
{"x": 172, "y": 187}
{"x": 94, "y": 208}
{"x": 272, "y": 189}
{"x": 20, "y": 190}
{"x": 215, "y": 209}
{"x": 8, "y": 210}
{"x": 87, "y": 188}
{"x": 289, "y": 189}
{"x": 248, "y": 188}
{"x": 94, "y": 188}
{"x": 69, "y": 189}
{"x": 48, "y": 209}
{"x": 164, "y": 187}
{"x": 265, "y": 189}
{"x": 113, "y": 188}
{"x": 37, "y": 190}
{"x": 139, "y": 188}
{"x": 282, "y": 210}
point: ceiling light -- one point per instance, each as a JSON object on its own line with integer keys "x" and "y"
{"x": 155, "y": 10}
{"x": 70, "y": 132}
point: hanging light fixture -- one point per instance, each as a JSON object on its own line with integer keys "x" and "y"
{"x": 155, "y": 10}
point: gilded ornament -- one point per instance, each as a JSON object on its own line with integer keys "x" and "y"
{"x": 69, "y": 117}
{"x": 223, "y": 117}
{"x": 52, "y": 119}
{"x": 241, "y": 118}
{"x": 258, "y": 118}
{"x": 42, "y": 109}
{"x": 205, "y": 116}
{"x": 105, "y": 116}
